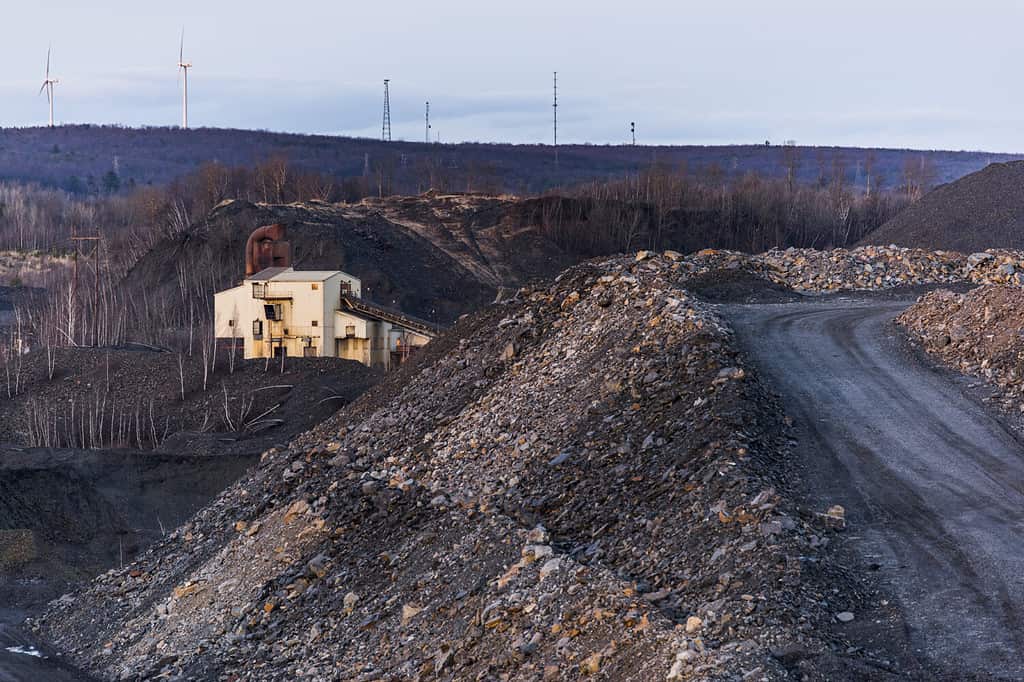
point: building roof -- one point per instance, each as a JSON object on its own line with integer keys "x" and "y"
{"x": 265, "y": 275}
{"x": 290, "y": 275}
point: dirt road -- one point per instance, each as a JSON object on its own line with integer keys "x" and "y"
{"x": 933, "y": 485}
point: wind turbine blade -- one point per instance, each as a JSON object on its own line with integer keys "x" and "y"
{"x": 181, "y": 51}
{"x": 48, "y": 63}
{"x": 43, "y": 86}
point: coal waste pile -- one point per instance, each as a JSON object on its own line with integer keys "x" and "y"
{"x": 583, "y": 480}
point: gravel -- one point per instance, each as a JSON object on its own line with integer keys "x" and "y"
{"x": 981, "y": 210}
{"x": 607, "y": 498}
{"x": 978, "y": 333}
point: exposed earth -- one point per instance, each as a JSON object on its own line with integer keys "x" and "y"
{"x": 979, "y": 211}
{"x": 715, "y": 466}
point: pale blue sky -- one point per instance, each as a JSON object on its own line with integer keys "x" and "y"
{"x": 870, "y": 73}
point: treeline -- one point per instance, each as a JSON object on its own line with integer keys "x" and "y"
{"x": 660, "y": 208}
{"x": 657, "y": 208}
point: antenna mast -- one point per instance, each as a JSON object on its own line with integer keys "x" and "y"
{"x": 632, "y": 130}
{"x": 385, "y": 131}
{"x": 427, "y": 131}
{"x": 555, "y": 108}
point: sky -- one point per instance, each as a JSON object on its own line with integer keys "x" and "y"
{"x": 896, "y": 73}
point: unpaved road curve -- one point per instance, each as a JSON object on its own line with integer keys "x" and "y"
{"x": 932, "y": 484}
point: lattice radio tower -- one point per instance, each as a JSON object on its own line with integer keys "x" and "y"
{"x": 428, "y": 124}
{"x": 385, "y": 131}
{"x": 555, "y": 109}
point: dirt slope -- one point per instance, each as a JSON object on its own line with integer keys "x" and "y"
{"x": 581, "y": 480}
{"x": 436, "y": 257}
{"x": 983, "y": 210}
{"x": 144, "y": 399}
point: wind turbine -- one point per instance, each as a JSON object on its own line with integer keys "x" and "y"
{"x": 48, "y": 84}
{"x": 183, "y": 67}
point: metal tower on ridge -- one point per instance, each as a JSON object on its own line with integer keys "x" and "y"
{"x": 427, "y": 131}
{"x": 385, "y": 131}
{"x": 555, "y": 108}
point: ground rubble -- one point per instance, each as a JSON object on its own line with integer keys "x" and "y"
{"x": 866, "y": 267}
{"x": 978, "y": 333}
{"x": 582, "y": 480}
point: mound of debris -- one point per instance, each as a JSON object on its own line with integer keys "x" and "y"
{"x": 581, "y": 480}
{"x": 865, "y": 268}
{"x": 977, "y": 333}
{"x": 738, "y": 285}
{"x": 981, "y": 210}
{"x": 144, "y": 398}
{"x": 67, "y": 515}
{"x": 435, "y": 256}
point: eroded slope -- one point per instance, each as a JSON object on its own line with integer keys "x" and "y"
{"x": 582, "y": 479}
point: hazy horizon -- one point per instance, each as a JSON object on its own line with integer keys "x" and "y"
{"x": 920, "y": 75}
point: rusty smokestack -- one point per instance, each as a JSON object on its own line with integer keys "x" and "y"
{"x": 266, "y": 248}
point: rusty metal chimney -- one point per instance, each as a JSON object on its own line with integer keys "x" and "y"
{"x": 266, "y": 248}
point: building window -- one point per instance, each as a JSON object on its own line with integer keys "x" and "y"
{"x": 316, "y": 286}
{"x": 257, "y": 329}
{"x": 273, "y": 311}
{"x": 231, "y": 323}
{"x": 316, "y": 323}
{"x": 350, "y": 330}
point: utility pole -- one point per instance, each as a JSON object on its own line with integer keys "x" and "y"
{"x": 427, "y": 132}
{"x": 385, "y": 131}
{"x": 632, "y": 130}
{"x": 555, "y": 108}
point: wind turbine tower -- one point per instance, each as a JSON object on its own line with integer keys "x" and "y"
{"x": 183, "y": 68}
{"x": 48, "y": 84}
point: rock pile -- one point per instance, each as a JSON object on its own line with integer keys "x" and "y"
{"x": 865, "y": 268}
{"x": 978, "y": 333}
{"x": 581, "y": 480}
{"x": 981, "y": 210}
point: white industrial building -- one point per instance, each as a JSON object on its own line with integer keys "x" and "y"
{"x": 317, "y": 313}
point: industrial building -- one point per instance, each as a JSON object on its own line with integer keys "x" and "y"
{"x": 319, "y": 313}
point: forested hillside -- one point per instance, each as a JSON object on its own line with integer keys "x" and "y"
{"x": 105, "y": 159}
